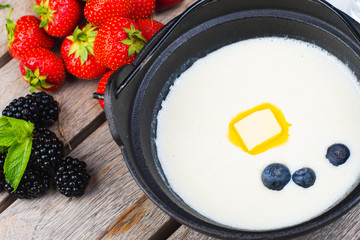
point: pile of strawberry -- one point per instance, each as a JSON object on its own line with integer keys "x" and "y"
{"x": 98, "y": 36}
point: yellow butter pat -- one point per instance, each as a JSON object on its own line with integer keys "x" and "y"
{"x": 259, "y": 129}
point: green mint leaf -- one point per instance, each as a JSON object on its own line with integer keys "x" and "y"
{"x": 15, "y": 139}
{"x": 22, "y": 130}
{"x": 7, "y": 135}
{"x": 3, "y": 149}
{"x": 16, "y": 160}
{"x": 4, "y": 122}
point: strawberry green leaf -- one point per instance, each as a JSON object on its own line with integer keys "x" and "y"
{"x": 16, "y": 160}
{"x": 90, "y": 49}
{"x": 46, "y": 14}
{"x": 74, "y": 49}
{"x": 127, "y": 41}
{"x": 82, "y": 37}
{"x": 40, "y": 10}
{"x": 75, "y": 34}
{"x": 135, "y": 40}
{"x": 131, "y": 50}
{"x": 83, "y": 54}
{"x": 10, "y": 29}
{"x": 5, "y": 6}
{"x": 83, "y": 42}
{"x": 35, "y": 80}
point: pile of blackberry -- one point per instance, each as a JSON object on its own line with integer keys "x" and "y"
{"x": 33, "y": 184}
{"x": 38, "y": 108}
{"x": 47, "y": 153}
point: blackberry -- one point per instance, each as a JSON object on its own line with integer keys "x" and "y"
{"x": 39, "y": 108}
{"x": 47, "y": 150}
{"x": 72, "y": 177}
{"x": 33, "y": 184}
{"x": 2, "y": 176}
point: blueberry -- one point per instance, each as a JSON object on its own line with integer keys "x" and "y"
{"x": 337, "y": 154}
{"x": 276, "y": 176}
{"x": 304, "y": 177}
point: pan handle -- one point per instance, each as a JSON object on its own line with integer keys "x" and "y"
{"x": 116, "y": 107}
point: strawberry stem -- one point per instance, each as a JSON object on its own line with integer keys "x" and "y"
{"x": 135, "y": 40}
{"x": 35, "y": 80}
{"x": 45, "y": 13}
{"x": 83, "y": 42}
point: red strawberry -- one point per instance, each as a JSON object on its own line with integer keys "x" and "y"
{"x": 142, "y": 9}
{"x": 25, "y": 35}
{"x": 97, "y": 12}
{"x": 78, "y": 54}
{"x": 164, "y": 4}
{"x": 59, "y": 17}
{"x": 118, "y": 42}
{"x": 149, "y": 27}
{"x": 101, "y": 86}
{"x": 42, "y": 69}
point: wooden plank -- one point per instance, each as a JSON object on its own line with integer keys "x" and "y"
{"x": 113, "y": 207}
{"x": 345, "y": 228}
{"x": 21, "y": 8}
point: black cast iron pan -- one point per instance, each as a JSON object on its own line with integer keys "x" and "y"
{"x": 134, "y": 92}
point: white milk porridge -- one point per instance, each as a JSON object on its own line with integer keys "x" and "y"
{"x": 318, "y": 97}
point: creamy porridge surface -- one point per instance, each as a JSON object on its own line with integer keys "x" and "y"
{"x": 317, "y": 94}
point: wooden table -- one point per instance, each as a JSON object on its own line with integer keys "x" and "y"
{"x": 113, "y": 206}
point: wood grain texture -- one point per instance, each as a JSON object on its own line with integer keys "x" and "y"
{"x": 113, "y": 207}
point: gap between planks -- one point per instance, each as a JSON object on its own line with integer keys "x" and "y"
{"x": 74, "y": 142}
{"x": 166, "y": 230}
{"x": 4, "y": 59}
